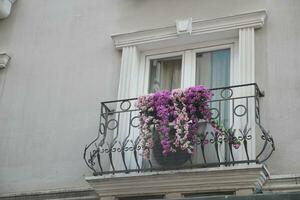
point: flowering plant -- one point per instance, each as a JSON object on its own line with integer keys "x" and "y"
{"x": 175, "y": 116}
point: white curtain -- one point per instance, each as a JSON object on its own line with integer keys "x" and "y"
{"x": 165, "y": 74}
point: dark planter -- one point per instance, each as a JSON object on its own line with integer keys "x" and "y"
{"x": 172, "y": 159}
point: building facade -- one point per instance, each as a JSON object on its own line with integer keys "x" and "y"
{"x": 68, "y": 56}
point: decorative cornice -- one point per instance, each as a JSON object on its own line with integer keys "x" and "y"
{"x": 5, "y": 8}
{"x": 67, "y": 194}
{"x": 252, "y": 19}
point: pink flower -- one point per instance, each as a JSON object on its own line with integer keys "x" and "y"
{"x": 177, "y": 112}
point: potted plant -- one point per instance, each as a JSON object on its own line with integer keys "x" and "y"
{"x": 169, "y": 123}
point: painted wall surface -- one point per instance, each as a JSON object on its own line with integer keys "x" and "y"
{"x": 64, "y": 63}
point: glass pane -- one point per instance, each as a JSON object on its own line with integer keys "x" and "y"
{"x": 165, "y": 73}
{"x": 213, "y": 68}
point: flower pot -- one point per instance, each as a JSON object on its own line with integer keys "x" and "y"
{"x": 172, "y": 159}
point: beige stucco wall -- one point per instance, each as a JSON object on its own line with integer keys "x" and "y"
{"x": 64, "y": 63}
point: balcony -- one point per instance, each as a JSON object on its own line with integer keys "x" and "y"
{"x": 116, "y": 149}
{"x": 244, "y": 144}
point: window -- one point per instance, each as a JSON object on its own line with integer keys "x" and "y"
{"x": 165, "y": 73}
{"x": 209, "y": 66}
{"x": 213, "y": 68}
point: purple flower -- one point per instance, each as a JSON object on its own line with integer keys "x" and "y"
{"x": 173, "y": 112}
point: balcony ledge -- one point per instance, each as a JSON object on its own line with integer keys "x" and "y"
{"x": 219, "y": 179}
{"x": 283, "y": 183}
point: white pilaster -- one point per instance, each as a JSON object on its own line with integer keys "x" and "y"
{"x": 246, "y": 55}
{"x": 129, "y": 72}
{"x": 245, "y": 73}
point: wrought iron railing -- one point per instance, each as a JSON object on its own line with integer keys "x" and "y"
{"x": 117, "y": 149}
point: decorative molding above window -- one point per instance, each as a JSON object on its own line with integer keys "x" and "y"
{"x": 184, "y": 26}
{"x": 229, "y": 24}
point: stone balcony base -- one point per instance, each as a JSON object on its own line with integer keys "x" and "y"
{"x": 240, "y": 179}
{"x": 282, "y": 183}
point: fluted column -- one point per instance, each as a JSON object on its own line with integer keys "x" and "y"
{"x": 246, "y": 70}
{"x": 246, "y": 55}
{"x": 129, "y": 73}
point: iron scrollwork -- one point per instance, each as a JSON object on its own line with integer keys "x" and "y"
{"x": 117, "y": 149}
